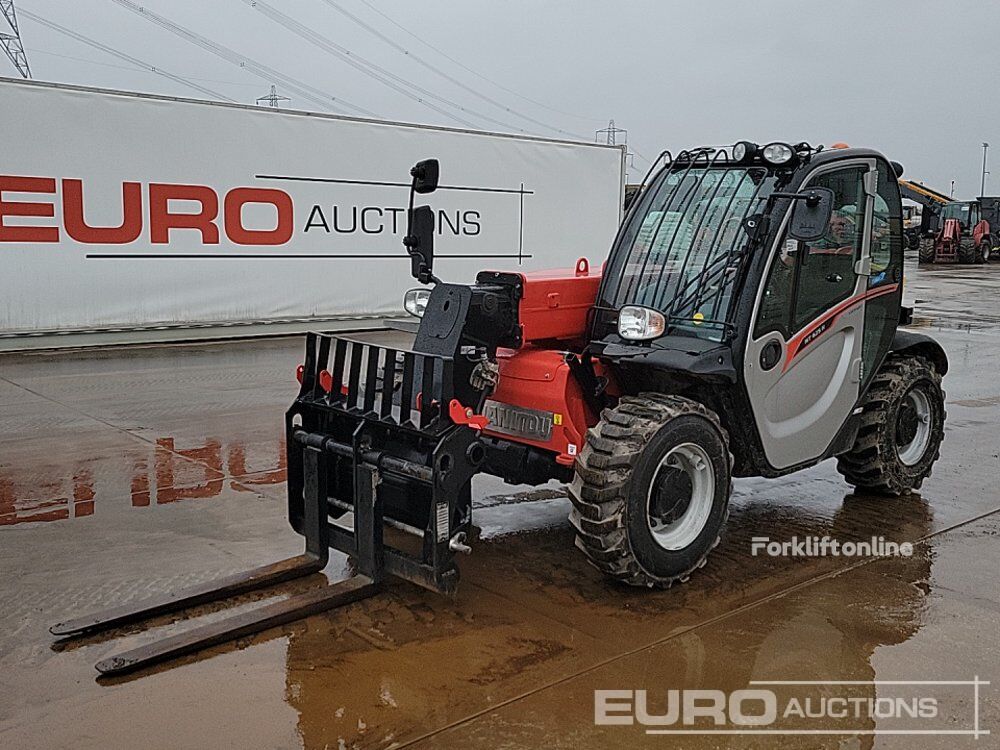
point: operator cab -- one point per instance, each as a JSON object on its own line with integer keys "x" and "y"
{"x": 774, "y": 272}
{"x": 965, "y": 212}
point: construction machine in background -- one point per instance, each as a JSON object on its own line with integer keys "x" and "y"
{"x": 989, "y": 206}
{"x": 965, "y": 236}
{"x": 950, "y": 231}
{"x": 927, "y": 222}
{"x": 745, "y": 323}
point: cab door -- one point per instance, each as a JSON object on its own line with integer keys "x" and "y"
{"x": 803, "y": 366}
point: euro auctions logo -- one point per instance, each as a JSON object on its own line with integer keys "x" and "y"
{"x": 152, "y": 210}
{"x": 747, "y": 708}
{"x": 803, "y": 707}
{"x": 47, "y": 210}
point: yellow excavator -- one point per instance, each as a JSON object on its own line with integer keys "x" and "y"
{"x": 926, "y": 223}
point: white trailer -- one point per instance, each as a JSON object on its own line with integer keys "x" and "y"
{"x": 126, "y": 216}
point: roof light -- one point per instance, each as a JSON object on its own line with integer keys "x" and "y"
{"x": 839, "y": 145}
{"x": 778, "y": 154}
{"x": 744, "y": 151}
{"x": 640, "y": 323}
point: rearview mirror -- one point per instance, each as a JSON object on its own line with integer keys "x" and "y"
{"x": 420, "y": 245}
{"x": 811, "y": 214}
{"x": 425, "y": 176}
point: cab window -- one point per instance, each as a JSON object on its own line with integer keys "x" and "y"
{"x": 887, "y": 231}
{"x": 808, "y": 278}
{"x": 882, "y": 309}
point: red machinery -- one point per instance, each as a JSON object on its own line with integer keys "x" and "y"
{"x": 965, "y": 236}
{"x": 538, "y": 392}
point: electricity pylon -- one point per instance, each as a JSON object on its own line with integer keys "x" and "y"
{"x": 273, "y": 99}
{"x": 11, "y": 40}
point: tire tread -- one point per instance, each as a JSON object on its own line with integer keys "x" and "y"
{"x": 603, "y": 472}
{"x": 871, "y": 464}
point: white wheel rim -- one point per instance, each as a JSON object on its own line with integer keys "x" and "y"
{"x": 681, "y": 532}
{"x": 914, "y": 450}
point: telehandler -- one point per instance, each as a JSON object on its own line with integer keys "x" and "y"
{"x": 746, "y": 323}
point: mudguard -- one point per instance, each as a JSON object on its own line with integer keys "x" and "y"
{"x": 911, "y": 342}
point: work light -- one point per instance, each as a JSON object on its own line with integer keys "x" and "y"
{"x": 778, "y": 153}
{"x": 415, "y": 301}
{"x": 640, "y": 323}
{"x": 744, "y": 151}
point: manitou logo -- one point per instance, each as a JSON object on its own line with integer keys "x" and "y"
{"x": 142, "y": 206}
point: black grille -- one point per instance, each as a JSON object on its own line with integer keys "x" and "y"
{"x": 395, "y": 386}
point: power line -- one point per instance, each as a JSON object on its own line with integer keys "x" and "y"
{"x": 384, "y": 76}
{"x": 476, "y": 73}
{"x": 90, "y": 61}
{"x": 296, "y": 86}
{"x": 636, "y": 152}
{"x": 380, "y": 74}
{"x": 11, "y": 43}
{"x": 122, "y": 56}
{"x": 433, "y": 68}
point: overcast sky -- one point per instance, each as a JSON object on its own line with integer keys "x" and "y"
{"x": 913, "y": 78}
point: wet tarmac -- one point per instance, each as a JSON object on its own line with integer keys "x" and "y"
{"x": 130, "y": 472}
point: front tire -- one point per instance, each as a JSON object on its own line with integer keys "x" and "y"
{"x": 926, "y": 253}
{"x": 651, "y": 490}
{"x": 902, "y": 427}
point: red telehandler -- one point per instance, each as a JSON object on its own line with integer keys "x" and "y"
{"x": 745, "y": 323}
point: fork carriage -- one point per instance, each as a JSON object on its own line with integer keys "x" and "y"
{"x": 387, "y": 450}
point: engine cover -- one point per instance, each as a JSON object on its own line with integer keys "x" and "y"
{"x": 539, "y": 402}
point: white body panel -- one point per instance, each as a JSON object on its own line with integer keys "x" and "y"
{"x": 525, "y": 204}
{"x": 801, "y": 403}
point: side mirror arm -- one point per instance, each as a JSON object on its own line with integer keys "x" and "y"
{"x": 811, "y": 197}
{"x": 419, "y": 240}
{"x": 421, "y": 270}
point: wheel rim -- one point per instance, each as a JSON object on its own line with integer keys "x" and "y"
{"x": 913, "y": 427}
{"x": 680, "y": 497}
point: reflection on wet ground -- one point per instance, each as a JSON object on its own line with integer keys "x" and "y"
{"x": 126, "y": 473}
{"x": 158, "y": 474}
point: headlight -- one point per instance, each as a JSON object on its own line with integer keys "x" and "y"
{"x": 744, "y": 151}
{"x": 415, "y": 301}
{"x": 640, "y": 323}
{"x": 778, "y": 153}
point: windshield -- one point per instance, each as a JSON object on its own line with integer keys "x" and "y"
{"x": 682, "y": 249}
{"x": 958, "y": 211}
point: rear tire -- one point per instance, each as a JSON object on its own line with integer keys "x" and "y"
{"x": 651, "y": 490}
{"x": 967, "y": 251}
{"x": 902, "y": 427}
